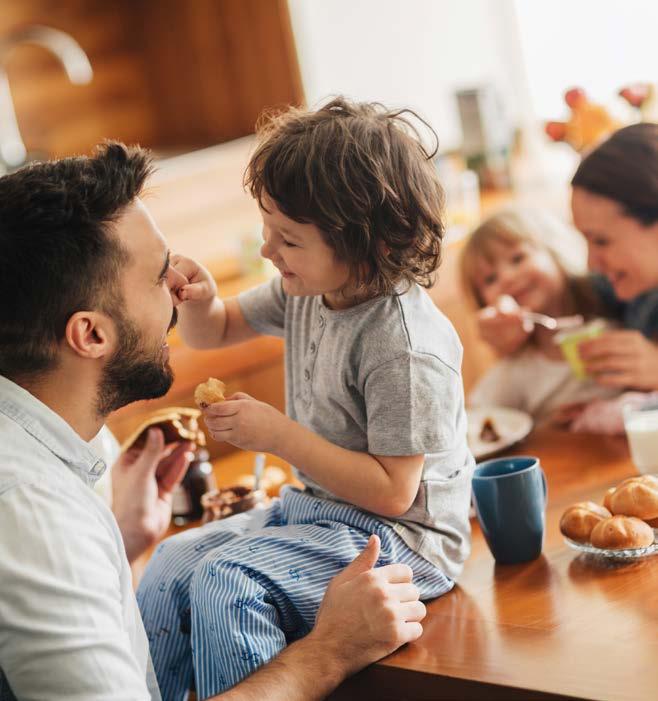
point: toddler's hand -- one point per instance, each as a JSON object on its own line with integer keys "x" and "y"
{"x": 246, "y": 423}
{"x": 502, "y": 326}
{"x": 201, "y": 286}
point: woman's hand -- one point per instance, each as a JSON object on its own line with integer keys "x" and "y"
{"x": 621, "y": 359}
{"x": 201, "y": 286}
{"x": 246, "y": 423}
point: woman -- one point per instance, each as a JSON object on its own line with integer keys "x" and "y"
{"x": 615, "y": 205}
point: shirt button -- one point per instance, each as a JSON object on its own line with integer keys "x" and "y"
{"x": 307, "y": 375}
{"x": 313, "y": 347}
{"x": 98, "y": 468}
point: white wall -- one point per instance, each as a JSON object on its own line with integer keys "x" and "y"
{"x": 600, "y": 45}
{"x": 412, "y": 53}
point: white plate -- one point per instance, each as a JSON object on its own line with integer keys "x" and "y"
{"x": 511, "y": 425}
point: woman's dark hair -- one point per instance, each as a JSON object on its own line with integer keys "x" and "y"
{"x": 58, "y": 254}
{"x": 624, "y": 168}
{"x": 360, "y": 173}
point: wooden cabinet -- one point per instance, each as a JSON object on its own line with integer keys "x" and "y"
{"x": 168, "y": 74}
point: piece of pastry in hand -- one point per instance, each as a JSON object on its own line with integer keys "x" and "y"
{"x": 488, "y": 433}
{"x": 209, "y": 392}
{"x": 621, "y": 533}
{"x": 578, "y": 521}
{"x": 636, "y": 496}
{"x": 177, "y": 423}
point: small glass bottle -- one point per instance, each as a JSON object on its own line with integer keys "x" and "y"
{"x": 199, "y": 479}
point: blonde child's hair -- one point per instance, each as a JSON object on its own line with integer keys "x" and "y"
{"x": 538, "y": 228}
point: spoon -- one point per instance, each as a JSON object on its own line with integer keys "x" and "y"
{"x": 552, "y": 323}
{"x": 507, "y": 304}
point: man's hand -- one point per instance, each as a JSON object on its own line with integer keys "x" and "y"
{"x": 246, "y": 423}
{"x": 621, "y": 359}
{"x": 142, "y": 485}
{"x": 368, "y": 612}
{"x": 502, "y": 326}
{"x": 201, "y": 285}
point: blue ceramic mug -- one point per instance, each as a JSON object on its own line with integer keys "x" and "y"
{"x": 510, "y": 501}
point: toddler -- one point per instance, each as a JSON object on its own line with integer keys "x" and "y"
{"x": 539, "y": 263}
{"x": 375, "y": 422}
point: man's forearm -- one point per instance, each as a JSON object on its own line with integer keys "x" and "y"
{"x": 202, "y": 324}
{"x": 304, "y": 671}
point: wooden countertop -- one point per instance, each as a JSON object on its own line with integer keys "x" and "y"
{"x": 564, "y": 626}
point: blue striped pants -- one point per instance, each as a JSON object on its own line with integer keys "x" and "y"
{"x": 221, "y": 600}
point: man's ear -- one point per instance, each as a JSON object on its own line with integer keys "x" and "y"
{"x": 91, "y": 334}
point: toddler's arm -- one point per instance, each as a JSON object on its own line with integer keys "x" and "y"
{"x": 384, "y": 485}
{"x": 204, "y": 320}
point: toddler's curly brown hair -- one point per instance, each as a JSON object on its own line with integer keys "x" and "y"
{"x": 360, "y": 173}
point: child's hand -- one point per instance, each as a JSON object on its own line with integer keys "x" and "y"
{"x": 565, "y": 415}
{"x": 201, "y": 286}
{"x": 606, "y": 415}
{"x": 246, "y": 423}
{"x": 621, "y": 359}
{"x": 502, "y": 326}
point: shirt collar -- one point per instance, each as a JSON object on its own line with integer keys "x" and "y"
{"x": 50, "y": 429}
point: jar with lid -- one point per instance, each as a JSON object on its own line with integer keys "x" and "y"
{"x": 199, "y": 479}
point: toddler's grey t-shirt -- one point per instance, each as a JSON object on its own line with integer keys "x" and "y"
{"x": 382, "y": 377}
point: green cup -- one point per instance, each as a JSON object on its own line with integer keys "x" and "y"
{"x": 569, "y": 341}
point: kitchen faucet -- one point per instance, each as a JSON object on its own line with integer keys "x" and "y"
{"x": 75, "y": 62}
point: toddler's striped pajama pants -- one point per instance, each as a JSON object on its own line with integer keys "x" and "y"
{"x": 221, "y": 600}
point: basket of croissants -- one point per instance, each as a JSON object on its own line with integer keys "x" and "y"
{"x": 625, "y": 521}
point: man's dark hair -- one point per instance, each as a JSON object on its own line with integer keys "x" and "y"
{"x": 360, "y": 173}
{"x": 624, "y": 168}
{"x": 58, "y": 254}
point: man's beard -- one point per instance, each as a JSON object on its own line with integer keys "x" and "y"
{"x": 133, "y": 373}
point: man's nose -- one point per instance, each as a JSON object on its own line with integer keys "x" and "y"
{"x": 175, "y": 280}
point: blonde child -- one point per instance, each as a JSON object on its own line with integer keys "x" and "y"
{"x": 375, "y": 421}
{"x": 530, "y": 259}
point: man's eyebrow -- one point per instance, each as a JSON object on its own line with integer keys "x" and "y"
{"x": 165, "y": 267}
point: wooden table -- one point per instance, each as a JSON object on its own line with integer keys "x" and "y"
{"x": 563, "y": 626}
